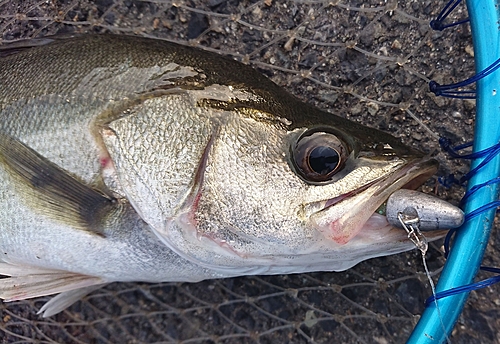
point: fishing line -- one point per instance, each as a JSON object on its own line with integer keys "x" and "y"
{"x": 422, "y": 124}
{"x": 410, "y": 222}
{"x": 434, "y": 298}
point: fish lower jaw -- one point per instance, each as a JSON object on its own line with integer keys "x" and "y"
{"x": 348, "y": 228}
{"x": 377, "y": 227}
{"x": 354, "y": 216}
{"x": 360, "y": 223}
{"x": 376, "y": 230}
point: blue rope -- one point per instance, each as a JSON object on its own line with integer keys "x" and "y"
{"x": 438, "y": 23}
{"x": 482, "y": 209}
{"x": 477, "y": 187}
{"x": 468, "y": 216}
{"x": 451, "y": 91}
{"x": 477, "y": 285}
{"x": 487, "y": 154}
{"x": 471, "y": 239}
{"x": 466, "y": 288}
{"x": 490, "y": 155}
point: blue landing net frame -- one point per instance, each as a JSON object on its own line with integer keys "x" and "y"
{"x": 471, "y": 239}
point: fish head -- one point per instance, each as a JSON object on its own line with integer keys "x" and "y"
{"x": 236, "y": 175}
{"x": 265, "y": 193}
{"x": 295, "y": 197}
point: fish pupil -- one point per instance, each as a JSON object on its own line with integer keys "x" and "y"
{"x": 323, "y": 160}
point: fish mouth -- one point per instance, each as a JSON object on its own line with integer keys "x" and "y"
{"x": 360, "y": 221}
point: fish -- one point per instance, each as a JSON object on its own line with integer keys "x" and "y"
{"x": 125, "y": 159}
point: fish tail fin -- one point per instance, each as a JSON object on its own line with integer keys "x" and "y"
{"x": 25, "y": 282}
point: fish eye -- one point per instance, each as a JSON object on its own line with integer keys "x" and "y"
{"x": 318, "y": 156}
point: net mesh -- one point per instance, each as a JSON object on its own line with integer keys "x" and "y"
{"x": 369, "y": 61}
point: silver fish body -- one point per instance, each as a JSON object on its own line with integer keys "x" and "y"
{"x": 128, "y": 159}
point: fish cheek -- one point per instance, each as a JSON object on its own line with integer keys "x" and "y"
{"x": 249, "y": 192}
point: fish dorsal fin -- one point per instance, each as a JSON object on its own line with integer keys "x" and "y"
{"x": 27, "y": 44}
{"x": 51, "y": 191}
{"x": 16, "y": 47}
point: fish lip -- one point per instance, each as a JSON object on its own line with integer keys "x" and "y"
{"x": 424, "y": 169}
{"x": 418, "y": 172}
{"x": 355, "y": 221}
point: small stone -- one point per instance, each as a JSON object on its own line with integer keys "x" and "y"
{"x": 156, "y": 23}
{"x": 470, "y": 104}
{"x": 372, "y": 108}
{"x": 197, "y": 25}
{"x": 356, "y": 110}
{"x": 289, "y": 44}
{"x": 167, "y": 24}
{"x": 469, "y": 50}
{"x": 257, "y": 12}
{"x": 396, "y": 45}
{"x": 416, "y": 136}
{"x": 310, "y": 319}
{"x": 380, "y": 340}
{"x": 438, "y": 100}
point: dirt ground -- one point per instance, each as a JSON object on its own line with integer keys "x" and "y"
{"x": 369, "y": 61}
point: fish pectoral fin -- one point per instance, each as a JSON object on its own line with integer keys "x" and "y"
{"x": 52, "y": 191}
{"x": 25, "y": 282}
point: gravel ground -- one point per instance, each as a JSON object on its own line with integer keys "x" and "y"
{"x": 369, "y": 61}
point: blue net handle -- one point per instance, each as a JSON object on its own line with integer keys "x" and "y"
{"x": 471, "y": 239}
